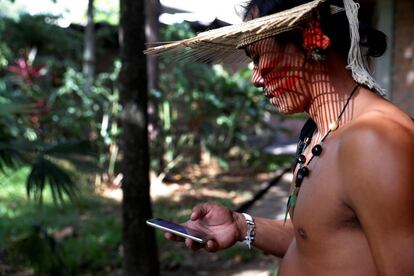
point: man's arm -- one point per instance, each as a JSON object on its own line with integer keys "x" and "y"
{"x": 271, "y": 236}
{"x": 377, "y": 169}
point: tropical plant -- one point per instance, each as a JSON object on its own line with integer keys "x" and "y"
{"x": 93, "y": 113}
{"x": 40, "y": 251}
{"x": 207, "y": 108}
{"x": 58, "y": 48}
{"x": 24, "y": 138}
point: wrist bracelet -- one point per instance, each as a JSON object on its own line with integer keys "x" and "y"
{"x": 249, "y": 238}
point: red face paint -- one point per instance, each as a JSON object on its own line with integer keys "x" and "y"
{"x": 277, "y": 69}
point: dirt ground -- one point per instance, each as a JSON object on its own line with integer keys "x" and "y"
{"x": 235, "y": 185}
{"x": 209, "y": 182}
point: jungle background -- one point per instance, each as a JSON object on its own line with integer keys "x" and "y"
{"x": 87, "y": 123}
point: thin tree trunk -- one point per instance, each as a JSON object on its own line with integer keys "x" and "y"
{"x": 140, "y": 249}
{"x": 153, "y": 11}
{"x": 89, "y": 58}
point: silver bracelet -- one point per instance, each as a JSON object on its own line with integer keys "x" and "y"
{"x": 250, "y": 234}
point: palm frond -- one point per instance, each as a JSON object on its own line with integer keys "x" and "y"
{"x": 51, "y": 165}
{"x": 45, "y": 172}
{"x": 81, "y": 163}
{"x": 41, "y": 250}
{"x": 82, "y": 155}
{"x": 84, "y": 148}
{"x": 10, "y": 157}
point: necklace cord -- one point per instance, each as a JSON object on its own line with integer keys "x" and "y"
{"x": 342, "y": 111}
{"x": 316, "y": 151}
{"x": 347, "y": 101}
{"x": 337, "y": 120}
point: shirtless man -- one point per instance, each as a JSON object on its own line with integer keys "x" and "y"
{"x": 354, "y": 211}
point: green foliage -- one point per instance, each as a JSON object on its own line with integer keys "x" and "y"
{"x": 25, "y": 139}
{"x": 92, "y": 245}
{"x": 53, "y": 134}
{"x": 47, "y": 117}
{"x": 46, "y": 168}
{"x": 58, "y": 48}
{"x": 22, "y": 143}
{"x": 84, "y": 110}
{"x": 5, "y": 54}
{"x": 208, "y": 108}
{"x": 40, "y": 250}
{"x": 93, "y": 112}
{"x": 47, "y": 163}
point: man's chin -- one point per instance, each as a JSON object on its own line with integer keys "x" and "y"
{"x": 286, "y": 110}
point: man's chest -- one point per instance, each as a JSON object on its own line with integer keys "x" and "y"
{"x": 320, "y": 208}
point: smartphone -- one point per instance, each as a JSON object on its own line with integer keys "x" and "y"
{"x": 178, "y": 229}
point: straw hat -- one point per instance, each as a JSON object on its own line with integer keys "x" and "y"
{"x": 226, "y": 44}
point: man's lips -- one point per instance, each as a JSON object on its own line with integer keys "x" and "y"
{"x": 269, "y": 94}
{"x": 272, "y": 88}
{"x": 273, "y": 93}
{"x": 275, "y": 87}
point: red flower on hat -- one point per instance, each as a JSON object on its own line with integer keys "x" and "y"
{"x": 314, "y": 38}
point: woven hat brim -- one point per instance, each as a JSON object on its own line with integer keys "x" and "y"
{"x": 225, "y": 44}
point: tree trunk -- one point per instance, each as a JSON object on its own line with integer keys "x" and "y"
{"x": 140, "y": 248}
{"x": 153, "y": 11}
{"x": 89, "y": 58}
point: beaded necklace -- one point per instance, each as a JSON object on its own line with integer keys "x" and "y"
{"x": 303, "y": 170}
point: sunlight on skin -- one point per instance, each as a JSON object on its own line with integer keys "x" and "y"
{"x": 294, "y": 83}
{"x": 279, "y": 71}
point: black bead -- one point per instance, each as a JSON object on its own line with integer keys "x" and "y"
{"x": 299, "y": 180}
{"x": 301, "y": 159}
{"x": 304, "y": 171}
{"x": 317, "y": 150}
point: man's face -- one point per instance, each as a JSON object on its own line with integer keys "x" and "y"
{"x": 280, "y": 71}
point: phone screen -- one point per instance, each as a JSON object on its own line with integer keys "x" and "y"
{"x": 178, "y": 229}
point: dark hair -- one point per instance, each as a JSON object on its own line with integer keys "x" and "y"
{"x": 335, "y": 26}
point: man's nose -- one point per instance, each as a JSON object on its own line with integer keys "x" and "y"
{"x": 257, "y": 79}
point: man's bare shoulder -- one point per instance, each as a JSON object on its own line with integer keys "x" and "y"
{"x": 375, "y": 170}
{"x": 376, "y": 154}
{"x": 379, "y": 129}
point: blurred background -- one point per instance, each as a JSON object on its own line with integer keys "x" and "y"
{"x": 83, "y": 111}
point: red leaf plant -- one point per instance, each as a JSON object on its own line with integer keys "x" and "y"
{"x": 25, "y": 70}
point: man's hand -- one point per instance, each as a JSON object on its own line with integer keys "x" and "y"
{"x": 223, "y": 226}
